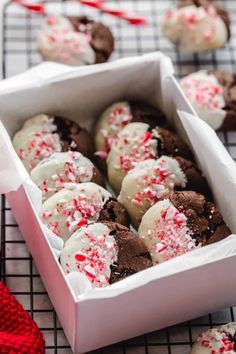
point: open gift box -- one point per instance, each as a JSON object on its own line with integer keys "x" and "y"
{"x": 188, "y": 286}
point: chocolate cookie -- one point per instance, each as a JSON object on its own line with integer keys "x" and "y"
{"x": 77, "y": 205}
{"x": 195, "y": 181}
{"x": 221, "y": 339}
{"x": 171, "y": 144}
{"x": 51, "y": 174}
{"x": 179, "y": 224}
{"x": 105, "y": 253}
{"x": 203, "y": 218}
{"x": 153, "y": 180}
{"x": 101, "y": 38}
{"x": 43, "y": 135}
{"x": 73, "y": 137}
{"x": 133, "y": 255}
{"x": 197, "y": 25}
{"x": 118, "y": 115}
{"x": 115, "y": 212}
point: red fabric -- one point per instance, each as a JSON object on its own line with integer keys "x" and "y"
{"x": 18, "y": 332}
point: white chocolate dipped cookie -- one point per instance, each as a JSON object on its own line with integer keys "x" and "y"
{"x": 58, "y": 41}
{"x": 134, "y": 143}
{"x": 51, "y": 174}
{"x": 147, "y": 183}
{"x": 138, "y": 142}
{"x": 80, "y": 204}
{"x": 43, "y": 135}
{"x": 105, "y": 252}
{"x": 118, "y": 115}
{"x": 206, "y": 96}
{"x": 180, "y": 224}
{"x": 196, "y": 28}
{"x": 91, "y": 250}
{"x": 73, "y": 207}
{"x": 36, "y": 140}
{"x": 110, "y": 123}
{"x": 221, "y": 339}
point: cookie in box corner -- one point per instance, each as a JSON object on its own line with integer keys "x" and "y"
{"x": 179, "y": 224}
{"x": 105, "y": 252}
{"x": 43, "y": 135}
{"x": 213, "y": 96}
{"x": 75, "y": 40}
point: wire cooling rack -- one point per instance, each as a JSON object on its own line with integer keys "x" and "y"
{"x": 18, "y": 270}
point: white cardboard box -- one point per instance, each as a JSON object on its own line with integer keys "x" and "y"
{"x": 180, "y": 289}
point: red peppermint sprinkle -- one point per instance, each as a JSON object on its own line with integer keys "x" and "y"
{"x": 82, "y": 222}
{"x": 80, "y": 257}
{"x": 52, "y": 20}
{"x": 147, "y": 135}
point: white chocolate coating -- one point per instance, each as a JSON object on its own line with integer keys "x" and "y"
{"x": 147, "y": 183}
{"x": 58, "y": 41}
{"x": 36, "y": 140}
{"x": 216, "y": 340}
{"x": 110, "y": 123}
{"x": 51, "y": 174}
{"x": 195, "y": 29}
{"x": 165, "y": 233}
{"x": 72, "y": 207}
{"x": 206, "y": 96}
{"x": 134, "y": 143}
{"x": 91, "y": 250}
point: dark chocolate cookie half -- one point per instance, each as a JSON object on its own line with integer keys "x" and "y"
{"x": 203, "y": 218}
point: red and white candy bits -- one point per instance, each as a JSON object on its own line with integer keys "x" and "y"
{"x": 135, "y": 143}
{"x": 58, "y": 41}
{"x": 216, "y": 340}
{"x": 195, "y": 29}
{"x": 36, "y": 140}
{"x": 165, "y": 232}
{"x": 72, "y": 207}
{"x": 91, "y": 251}
{"x": 206, "y": 96}
{"x": 111, "y": 122}
{"x": 147, "y": 183}
{"x": 51, "y": 174}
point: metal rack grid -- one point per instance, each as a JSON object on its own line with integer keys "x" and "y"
{"x": 18, "y": 270}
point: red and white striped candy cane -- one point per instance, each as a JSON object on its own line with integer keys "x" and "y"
{"x": 98, "y": 4}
